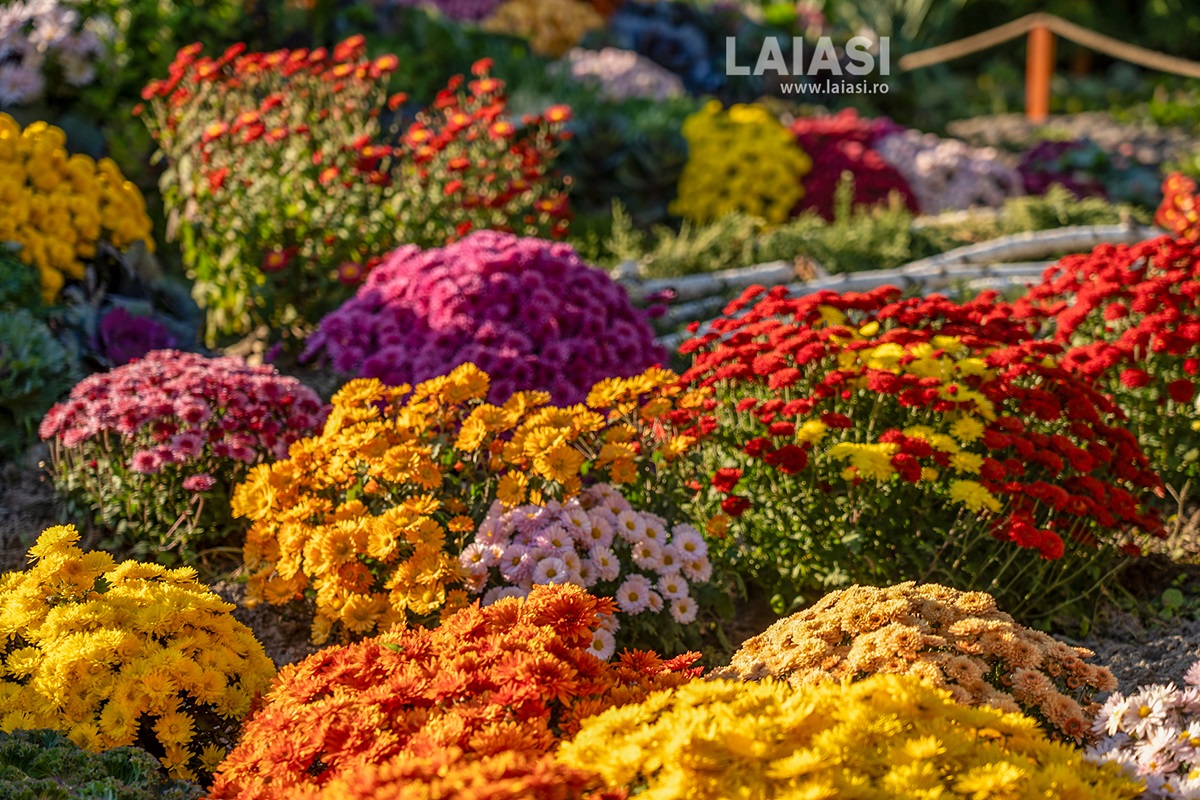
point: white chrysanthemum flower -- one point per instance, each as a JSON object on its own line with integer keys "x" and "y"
{"x": 616, "y": 503}
{"x": 587, "y": 573}
{"x": 633, "y": 596}
{"x": 670, "y": 560}
{"x": 655, "y": 602}
{"x": 656, "y": 528}
{"x": 572, "y": 560}
{"x": 672, "y": 586}
{"x": 516, "y": 563}
{"x": 683, "y": 610}
{"x": 599, "y": 532}
{"x": 555, "y": 537}
{"x": 631, "y": 527}
{"x": 475, "y": 557}
{"x": 610, "y": 623}
{"x": 608, "y": 566}
{"x": 647, "y": 555}
{"x": 1192, "y": 676}
{"x": 604, "y": 644}
{"x": 501, "y": 592}
{"x": 689, "y": 541}
{"x": 551, "y": 570}
{"x": 697, "y": 570}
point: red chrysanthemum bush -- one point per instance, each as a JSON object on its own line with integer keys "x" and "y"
{"x": 284, "y": 189}
{"x": 489, "y": 692}
{"x": 1130, "y": 316}
{"x": 861, "y": 438}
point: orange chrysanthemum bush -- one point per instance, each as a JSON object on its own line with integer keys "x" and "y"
{"x": 430, "y": 713}
{"x": 958, "y": 641}
{"x": 368, "y": 519}
{"x": 124, "y": 654}
{"x": 870, "y": 438}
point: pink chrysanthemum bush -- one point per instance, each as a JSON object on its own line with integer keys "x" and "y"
{"x": 1154, "y": 734}
{"x": 528, "y": 312}
{"x": 658, "y": 574}
{"x": 150, "y": 451}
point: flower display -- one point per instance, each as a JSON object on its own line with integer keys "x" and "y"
{"x": 114, "y": 654}
{"x": 35, "y": 370}
{"x": 740, "y": 159}
{"x": 1154, "y": 734}
{"x": 60, "y": 207}
{"x": 47, "y": 42}
{"x": 528, "y": 312}
{"x": 598, "y": 541}
{"x": 124, "y": 337}
{"x": 888, "y": 736}
{"x": 552, "y": 27}
{"x": 1177, "y": 212}
{"x": 957, "y": 641}
{"x": 369, "y": 517}
{"x": 463, "y": 10}
{"x": 622, "y": 74}
{"x": 152, "y": 449}
{"x": 1128, "y": 314}
{"x": 949, "y": 175}
{"x": 291, "y": 142}
{"x": 492, "y": 687}
{"x": 1072, "y": 163}
{"x": 865, "y": 439}
{"x": 841, "y": 143}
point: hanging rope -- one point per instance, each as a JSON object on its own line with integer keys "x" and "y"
{"x": 1068, "y": 30}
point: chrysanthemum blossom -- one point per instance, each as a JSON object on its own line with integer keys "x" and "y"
{"x": 528, "y": 312}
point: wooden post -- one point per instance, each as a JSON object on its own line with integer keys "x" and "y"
{"x": 1039, "y": 68}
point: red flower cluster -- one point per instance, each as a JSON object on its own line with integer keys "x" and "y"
{"x": 495, "y": 687}
{"x": 831, "y": 392}
{"x": 1132, "y": 314}
{"x": 841, "y": 143}
{"x": 1178, "y": 212}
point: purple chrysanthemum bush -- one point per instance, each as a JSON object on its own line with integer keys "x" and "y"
{"x": 151, "y": 450}
{"x": 528, "y": 312}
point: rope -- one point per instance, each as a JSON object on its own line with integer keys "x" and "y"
{"x": 1068, "y": 30}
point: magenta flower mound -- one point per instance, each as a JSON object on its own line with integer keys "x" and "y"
{"x": 143, "y": 444}
{"x": 526, "y": 311}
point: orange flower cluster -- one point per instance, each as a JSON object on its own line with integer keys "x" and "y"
{"x": 370, "y": 516}
{"x": 1178, "y": 212}
{"x": 487, "y": 694}
{"x": 958, "y": 641}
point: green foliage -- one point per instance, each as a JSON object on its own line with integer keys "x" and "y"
{"x": 19, "y": 284}
{"x": 34, "y": 371}
{"x": 46, "y": 765}
{"x": 882, "y": 237}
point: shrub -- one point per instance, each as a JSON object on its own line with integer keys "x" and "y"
{"x": 952, "y": 640}
{"x": 1154, "y": 734}
{"x": 598, "y": 541}
{"x": 622, "y": 74}
{"x": 842, "y": 143}
{"x": 740, "y": 159}
{"x": 889, "y": 736}
{"x": 45, "y": 765}
{"x": 552, "y": 27}
{"x": 60, "y": 208}
{"x": 529, "y": 313}
{"x": 122, "y": 654}
{"x": 866, "y": 439}
{"x": 368, "y": 518}
{"x": 494, "y": 683}
{"x": 285, "y": 190}
{"x": 151, "y": 450}
{"x": 948, "y": 175}
{"x": 1130, "y": 318}
{"x": 35, "y": 370}
{"x": 48, "y": 45}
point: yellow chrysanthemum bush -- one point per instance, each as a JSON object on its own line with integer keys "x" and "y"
{"x": 124, "y": 654}
{"x": 739, "y": 159}
{"x": 865, "y": 438}
{"x": 368, "y": 519}
{"x": 889, "y": 736}
{"x": 60, "y": 207}
{"x": 958, "y": 641}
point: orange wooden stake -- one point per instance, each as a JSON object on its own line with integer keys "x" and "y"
{"x": 1039, "y": 68}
